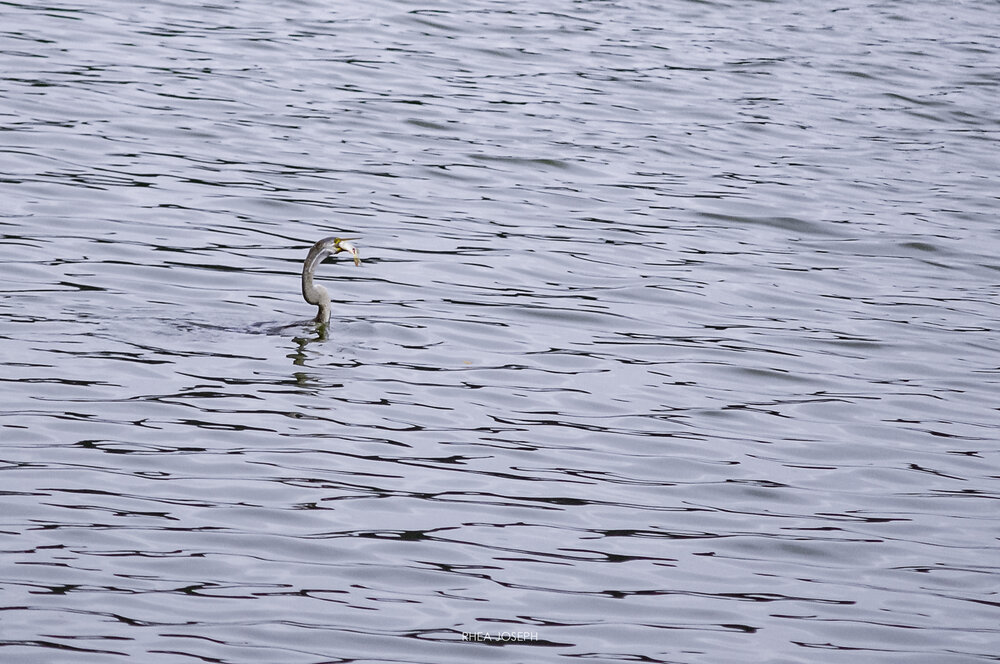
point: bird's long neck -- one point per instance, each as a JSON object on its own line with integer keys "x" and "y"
{"x": 323, "y": 315}
{"x": 312, "y": 293}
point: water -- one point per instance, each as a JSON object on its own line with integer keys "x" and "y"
{"x": 674, "y": 341}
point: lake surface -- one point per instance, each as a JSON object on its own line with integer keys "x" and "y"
{"x": 675, "y": 338}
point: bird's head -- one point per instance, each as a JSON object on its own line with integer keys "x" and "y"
{"x": 330, "y": 246}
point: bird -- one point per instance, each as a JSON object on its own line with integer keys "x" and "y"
{"x": 318, "y": 295}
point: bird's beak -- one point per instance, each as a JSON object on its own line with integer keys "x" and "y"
{"x": 345, "y": 245}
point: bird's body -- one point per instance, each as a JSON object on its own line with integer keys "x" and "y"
{"x": 318, "y": 295}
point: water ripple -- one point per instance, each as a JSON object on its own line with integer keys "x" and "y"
{"x": 674, "y": 338}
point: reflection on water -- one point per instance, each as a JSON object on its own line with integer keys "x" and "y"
{"x": 674, "y": 339}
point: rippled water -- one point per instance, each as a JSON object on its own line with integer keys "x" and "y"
{"x": 675, "y": 338}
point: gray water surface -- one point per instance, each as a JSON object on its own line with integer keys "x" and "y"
{"x": 675, "y": 338}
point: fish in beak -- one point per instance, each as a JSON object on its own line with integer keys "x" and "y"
{"x": 344, "y": 244}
